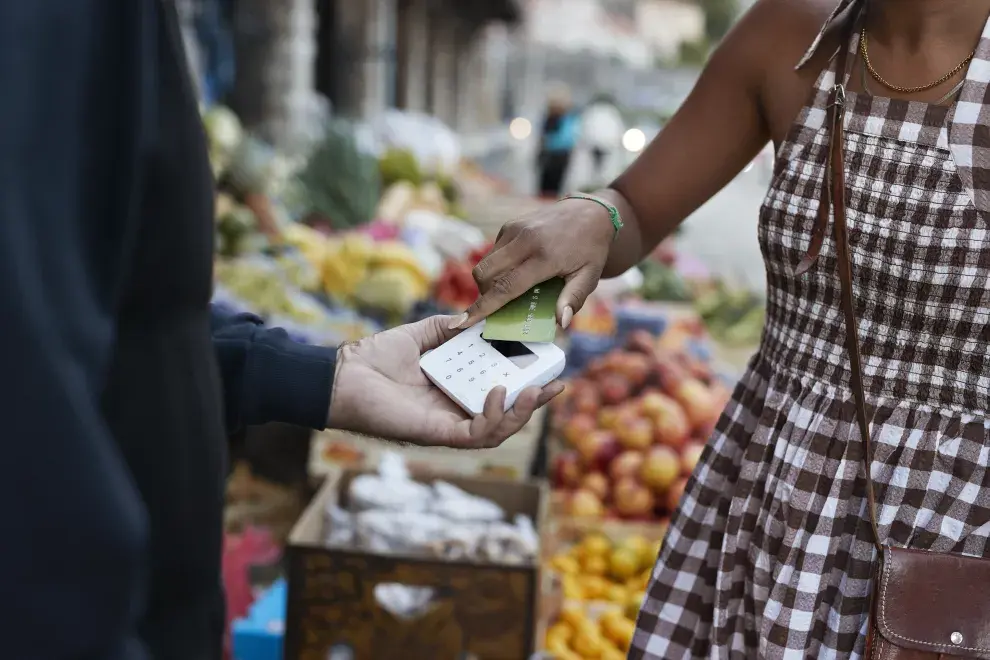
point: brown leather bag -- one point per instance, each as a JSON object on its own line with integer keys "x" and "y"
{"x": 924, "y": 605}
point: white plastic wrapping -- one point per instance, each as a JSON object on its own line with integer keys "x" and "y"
{"x": 391, "y": 513}
{"x": 437, "y": 148}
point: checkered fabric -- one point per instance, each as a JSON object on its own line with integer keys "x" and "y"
{"x": 770, "y": 553}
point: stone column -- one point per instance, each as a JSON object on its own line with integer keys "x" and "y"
{"x": 380, "y": 28}
{"x": 276, "y": 49}
{"x": 414, "y": 23}
{"x": 443, "y": 69}
{"x": 466, "y": 50}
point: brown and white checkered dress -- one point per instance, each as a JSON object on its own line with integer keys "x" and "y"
{"x": 770, "y": 554}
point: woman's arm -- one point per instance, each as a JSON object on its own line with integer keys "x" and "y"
{"x": 715, "y": 133}
{"x": 720, "y": 128}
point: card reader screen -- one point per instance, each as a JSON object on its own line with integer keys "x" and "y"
{"x": 515, "y": 351}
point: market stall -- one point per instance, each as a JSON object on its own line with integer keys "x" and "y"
{"x": 453, "y": 553}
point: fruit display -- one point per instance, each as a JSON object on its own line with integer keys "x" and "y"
{"x": 577, "y": 636}
{"x": 734, "y": 316}
{"x": 456, "y": 287}
{"x": 662, "y": 282}
{"x": 595, "y": 318}
{"x": 602, "y": 575}
{"x": 633, "y": 426}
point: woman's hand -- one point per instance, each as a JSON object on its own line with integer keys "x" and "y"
{"x": 380, "y": 390}
{"x": 570, "y": 239}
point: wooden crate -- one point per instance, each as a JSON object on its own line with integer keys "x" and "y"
{"x": 484, "y": 610}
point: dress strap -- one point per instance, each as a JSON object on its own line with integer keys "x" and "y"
{"x": 969, "y": 140}
{"x": 813, "y": 48}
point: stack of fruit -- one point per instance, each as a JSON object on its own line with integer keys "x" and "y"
{"x": 603, "y": 583}
{"x": 575, "y": 636}
{"x": 595, "y": 318}
{"x": 634, "y": 426}
{"x": 456, "y": 288}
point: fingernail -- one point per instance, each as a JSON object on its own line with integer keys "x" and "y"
{"x": 565, "y": 318}
{"x": 458, "y": 321}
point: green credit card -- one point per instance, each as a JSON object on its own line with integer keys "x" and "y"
{"x": 530, "y": 317}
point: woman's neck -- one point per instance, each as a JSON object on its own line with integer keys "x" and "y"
{"x": 914, "y": 25}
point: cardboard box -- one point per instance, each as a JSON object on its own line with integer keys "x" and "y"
{"x": 484, "y": 611}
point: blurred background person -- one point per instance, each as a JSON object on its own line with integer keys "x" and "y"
{"x": 596, "y": 158}
{"x": 557, "y": 141}
{"x": 601, "y": 132}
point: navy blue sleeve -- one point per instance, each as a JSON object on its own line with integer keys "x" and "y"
{"x": 268, "y": 377}
{"x": 74, "y": 533}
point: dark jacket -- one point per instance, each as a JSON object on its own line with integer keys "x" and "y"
{"x": 121, "y": 383}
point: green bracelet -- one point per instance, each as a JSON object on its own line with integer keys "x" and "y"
{"x": 613, "y": 213}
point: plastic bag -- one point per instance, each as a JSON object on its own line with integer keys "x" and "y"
{"x": 437, "y": 148}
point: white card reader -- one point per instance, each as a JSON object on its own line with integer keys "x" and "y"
{"x": 468, "y": 367}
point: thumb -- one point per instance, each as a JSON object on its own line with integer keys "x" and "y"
{"x": 576, "y": 290}
{"x": 433, "y": 331}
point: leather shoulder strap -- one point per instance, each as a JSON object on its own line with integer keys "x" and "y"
{"x": 833, "y": 197}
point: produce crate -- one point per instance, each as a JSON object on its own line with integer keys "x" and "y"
{"x": 486, "y": 611}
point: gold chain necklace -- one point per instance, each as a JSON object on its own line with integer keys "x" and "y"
{"x": 906, "y": 90}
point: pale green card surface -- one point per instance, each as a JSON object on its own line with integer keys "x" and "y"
{"x": 530, "y": 317}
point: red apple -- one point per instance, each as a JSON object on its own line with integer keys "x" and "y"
{"x": 660, "y": 469}
{"x": 626, "y": 464}
{"x": 669, "y": 374}
{"x": 597, "y": 483}
{"x": 567, "y": 470}
{"x": 641, "y": 341}
{"x": 635, "y": 433}
{"x": 585, "y": 504}
{"x": 695, "y": 368}
{"x": 587, "y": 401}
{"x": 690, "y": 456}
{"x": 608, "y": 418}
{"x": 597, "y": 446}
{"x": 608, "y": 449}
{"x": 615, "y": 389}
{"x": 697, "y": 400}
{"x": 632, "y": 499}
{"x": 578, "y": 427}
{"x": 634, "y": 367}
{"x": 672, "y": 429}
{"x": 675, "y": 494}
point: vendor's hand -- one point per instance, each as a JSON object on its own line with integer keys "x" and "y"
{"x": 569, "y": 239}
{"x": 380, "y": 390}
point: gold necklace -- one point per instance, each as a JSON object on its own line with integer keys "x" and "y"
{"x": 906, "y": 90}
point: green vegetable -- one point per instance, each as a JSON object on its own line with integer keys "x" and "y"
{"x": 399, "y": 165}
{"x": 339, "y": 183}
{"x": 662, "y": 283}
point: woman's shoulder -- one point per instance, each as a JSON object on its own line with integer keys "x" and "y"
{"x": 782, "y": 31}
{"x": 777, "y": 35}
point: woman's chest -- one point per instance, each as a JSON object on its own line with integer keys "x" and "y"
{"x": 919, "y": 247}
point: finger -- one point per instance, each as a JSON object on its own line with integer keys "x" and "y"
{"x": 527, "y": 403}
{"x": 500, "y": 259}
{"x": 490, "y": 417}
{"x": 508, "y": 231}
{"x": 429, "y": 333}
{"x": 576, "y": 290}
{"x": 513, "y": 421}
{"x": 550, "y": 392}
{"x": 509, "y": 285}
